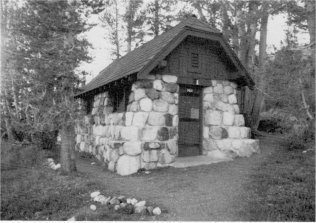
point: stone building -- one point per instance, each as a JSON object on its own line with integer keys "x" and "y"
{"x": 176, "y": 95}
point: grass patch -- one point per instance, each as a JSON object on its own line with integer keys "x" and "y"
{"x": 41, "y": 194}
{"x": 283, "y": 188}
{"x": 21, "y": 156}
{"x": 33, "y": 191}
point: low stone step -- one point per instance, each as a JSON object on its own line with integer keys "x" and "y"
{"x": 183, "y": 162}
{"x": 238, "y": 132}
{"x": 235, "y": 147}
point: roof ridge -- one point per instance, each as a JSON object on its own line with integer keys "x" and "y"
{"x": 204, "y": 23}
{"x": 209, "y": 25}
{"x": 141, "y": 56}
{"x": 132, "y": 51}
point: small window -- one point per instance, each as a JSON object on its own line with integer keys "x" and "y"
{"x": 195, "y": 60}
{"x": 116, "y": 97}
{"x": 119, "y": 98}
{"x": 89, "y": 105}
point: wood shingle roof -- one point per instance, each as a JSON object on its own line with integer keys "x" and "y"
{"x": 137, "y": 59}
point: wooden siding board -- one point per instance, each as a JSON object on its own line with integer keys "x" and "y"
{"x": 144, "y": 59}
{"x": 162, "y": 54}
{"x": 227, "y": 49}
{"x": 211, "y": 67}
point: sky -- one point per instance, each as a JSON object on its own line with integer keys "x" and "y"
{"x": 101, "y": 51}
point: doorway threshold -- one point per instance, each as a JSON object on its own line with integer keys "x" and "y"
{"x": 183, "y": 162}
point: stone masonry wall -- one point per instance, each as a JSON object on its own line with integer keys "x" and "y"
{"x": 145, "y": 136}
{"x": 224, "y": 131}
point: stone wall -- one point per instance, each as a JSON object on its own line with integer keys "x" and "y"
{"x": 224, "y": 131}
{"x": 145, "y": 136}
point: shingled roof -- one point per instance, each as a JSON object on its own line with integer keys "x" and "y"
{"x": 137, "y": 59}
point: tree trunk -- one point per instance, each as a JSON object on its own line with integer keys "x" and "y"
{"x": 226, "y": 20}
{"x": 8, "y": 126}
{"x": 17, "y": 109}
{"x": 262, "y": 57}
{"x": 196, "y": 4}
{"x": 234, "y": 29}
{"x": 263, "y": 39}
{"x": 6, "y": 66}
{"x": 306, "y": 106}
{"x": 310, "y": 7}
{"x": 8, "y": 130}
{"x": 235, "y": 40}
{"x": 6, "y": 112}
{"x": 252, "y": 44}
{"x": 7, "y": 117}
{"x": 255, "y": 100}
{"x": 67, "y": 152}
{"x": 117, "y": 43}
{"x": 247, "y": 36}
{"x": 129, "y": 26}
{"x": 156, "y": 20}
{"x": 242, "y": 38}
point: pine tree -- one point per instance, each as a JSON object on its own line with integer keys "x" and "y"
{"x": 158, "y": 17}
{"x": 112, "y": 19}
{"x": 45, "y": 55}
{"x": 134, "y": 22}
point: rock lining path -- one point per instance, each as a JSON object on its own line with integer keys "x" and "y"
{"x": 215, "y": 192}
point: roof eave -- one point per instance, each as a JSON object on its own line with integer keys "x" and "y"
{"x": 162, "y": 53}
{"x": 180, "y": 37}
{"x": 186, "y": 31}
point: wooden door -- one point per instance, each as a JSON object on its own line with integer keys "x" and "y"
{"x": 189, "y": 120}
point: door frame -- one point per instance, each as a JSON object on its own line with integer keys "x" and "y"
{"x": 201, "y": 113}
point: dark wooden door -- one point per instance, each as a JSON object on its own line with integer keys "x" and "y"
{"x": 189, "y": 120}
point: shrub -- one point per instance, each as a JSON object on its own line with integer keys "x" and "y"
{"x": 23, "y": 155}
{"x": 45, "y": 139}
{"x": 302, "y": 137}
{"x": 271, "y": 125}
{"x": 276, "y": 121}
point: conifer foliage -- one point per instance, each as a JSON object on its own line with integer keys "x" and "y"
{"x": 42, "y": 49}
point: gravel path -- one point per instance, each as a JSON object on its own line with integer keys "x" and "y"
{"x": 213, "y": 192}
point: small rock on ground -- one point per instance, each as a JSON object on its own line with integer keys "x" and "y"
{"x": 93, "y": 207}
{"x": 140, "y": 209}
{"x": 150, "y": 210}
{"x": 94, "y": 194}
{"x": 157, "y": 211}
{"x": 140, "y": 204}
{"x": 117, "y": 207}
{"x": 72, "y": 219}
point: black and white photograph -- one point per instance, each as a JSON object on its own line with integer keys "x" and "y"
{"x": 157, "y": 110}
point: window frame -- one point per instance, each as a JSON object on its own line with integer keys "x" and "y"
{"x": 194, "y": 58}
{"x": 120, "y": 97}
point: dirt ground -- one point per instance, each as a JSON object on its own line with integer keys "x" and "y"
{"x": 216, "y": 192}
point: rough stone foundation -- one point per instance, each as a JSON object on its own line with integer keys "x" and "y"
{"x": 143, "y": 137}
{"x": 146, "y": 135}
{"x": 224, "y": 131}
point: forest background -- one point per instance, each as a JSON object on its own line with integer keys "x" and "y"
{"x": 46, "y": 49}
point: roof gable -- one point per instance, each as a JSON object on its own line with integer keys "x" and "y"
{"x": 144, "y": 58}
{"x": 190, "y": 31}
